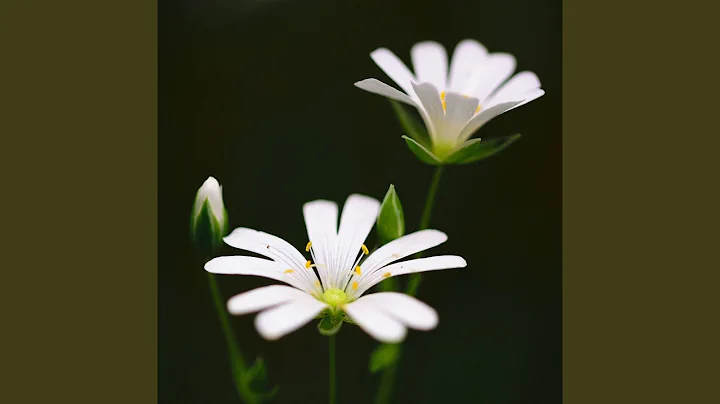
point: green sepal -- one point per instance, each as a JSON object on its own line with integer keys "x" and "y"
{"x": 383, "y": 356}
{"x": 206, "y": 231}
{"x": 421, "y": 152}
{"x": 390, "y": 223}
{"x": 410, "y": 124}
{"x": 330, "y": 325}
{"x": 476, "y": 149}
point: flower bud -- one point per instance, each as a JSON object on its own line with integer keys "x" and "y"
{"x": 208, "y": 222}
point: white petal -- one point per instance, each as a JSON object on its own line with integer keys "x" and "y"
{"x": 266, "y": 244}
{"x": 458, "y": 113}
{"x": 517, "y": 87}
{"x": 281, "y": 320}
{"x": 532, "y": 95}
{"x": 430, "y": 63}
{"x": 403, "y": 247}
{"x": 262, "y": 298}
{"x": 426, "y": 264}
{"x": 375, "y": 322}
{"x": 483, "y": 117}
{"x": 240, "y": 265}
{"x": 321, "y": 220}
{"x": 394, "y": 68}
{"x": 358, "y": 218}
{"x": 378, "y": 87}
{"x": 407, "y": 267}
{"x": 431, "y": 107}
{"x": 493, "y": 72}
{"x": 468, "y": 56}
{"x": 406, "y": 309}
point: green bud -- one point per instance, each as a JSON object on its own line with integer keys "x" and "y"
{"x": 391, "y": 220}
{"x": 208, "y": 221}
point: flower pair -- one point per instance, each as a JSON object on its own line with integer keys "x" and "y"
{"x": 340, "y": 269}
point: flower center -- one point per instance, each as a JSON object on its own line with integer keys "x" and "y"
{"x": 334, "y": 296}
{"x": 444, "y": 104}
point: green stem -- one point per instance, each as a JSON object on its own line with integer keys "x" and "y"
{"x": 388, "y": 376}
{"x": 237, "y": 362}
{"x": 415, "y": 279}
{"x": 331, "y": 382}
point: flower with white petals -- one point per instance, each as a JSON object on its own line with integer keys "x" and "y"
{"x": 455, "y": 101}
{"x": 333, "y": 281}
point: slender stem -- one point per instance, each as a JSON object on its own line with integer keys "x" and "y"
{"x": 237, "y": 361}
{"x": 415, "y": 279}
{"x": 388, "y": 376}
{"x": 331, "y": 382}
{"x": 386, "y": 383}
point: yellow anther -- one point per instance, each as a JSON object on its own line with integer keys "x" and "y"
{"x": 308, "y": 264}
{"x": 317, "y": 283}
{"x": 365, "y": 249}
{"x": 442, "y": 100}
{"x": 478, "y": 109}
{"x": 307, "y": 246}
{"x": 357, "y": 270}
{"x": 354, "y": 285}
{"x": 288, "y": 271}
{"x": 386, "y": 274}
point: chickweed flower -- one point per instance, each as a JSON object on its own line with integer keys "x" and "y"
{"x": 332, "y": 280}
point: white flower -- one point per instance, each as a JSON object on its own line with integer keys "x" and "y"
{"x": 209, "y": 203}
{"x": 336, "y": 277}
{"x": 454, "y": 102}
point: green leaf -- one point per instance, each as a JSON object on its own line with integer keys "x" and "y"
{"x": 391, "y": 220}
{"x": 330, "y": 325}
{"x": 477, "y": 149}
{"x": 425, "y": 155}
{"x": 411, "y": 125}
{"x": 255, "y": 380}
{"x": 384, "y": 356}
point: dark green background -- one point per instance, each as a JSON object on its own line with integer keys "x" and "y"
{"x": 260, "y": 95}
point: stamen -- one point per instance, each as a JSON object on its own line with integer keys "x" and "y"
{"x": 478, "y": 109}
{"x": 308, "y": 246}
{"x": 288, "y": 271}
{"x": 365, "y": 249}
{"x": 308, "y": 264}
{"x": 386, "y": 274}
{"x": 442, "y": 99}
{"x": 354, "y": 285}
{"x": 357, "y": 270}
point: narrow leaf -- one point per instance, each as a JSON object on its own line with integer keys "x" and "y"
{"x": 384, "y": 356}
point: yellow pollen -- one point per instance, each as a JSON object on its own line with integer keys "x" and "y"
{"x": 288, "y": 271}
{"x": 355, "y": 285}
{"x": 386, "y": 274}
{"x": 365, "y": 249}
{"x": 357, "y": 270}
{"x": 478, "y": 109}
{"x": 307, "y": 246}
{"x": 317, "y": 283}
{"x": 308, "y": 264}
{"x": 442, "y": 99}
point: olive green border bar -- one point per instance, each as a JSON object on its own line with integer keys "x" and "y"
{"x": 639, "y": 198}
{"x": 79, "y": 168}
